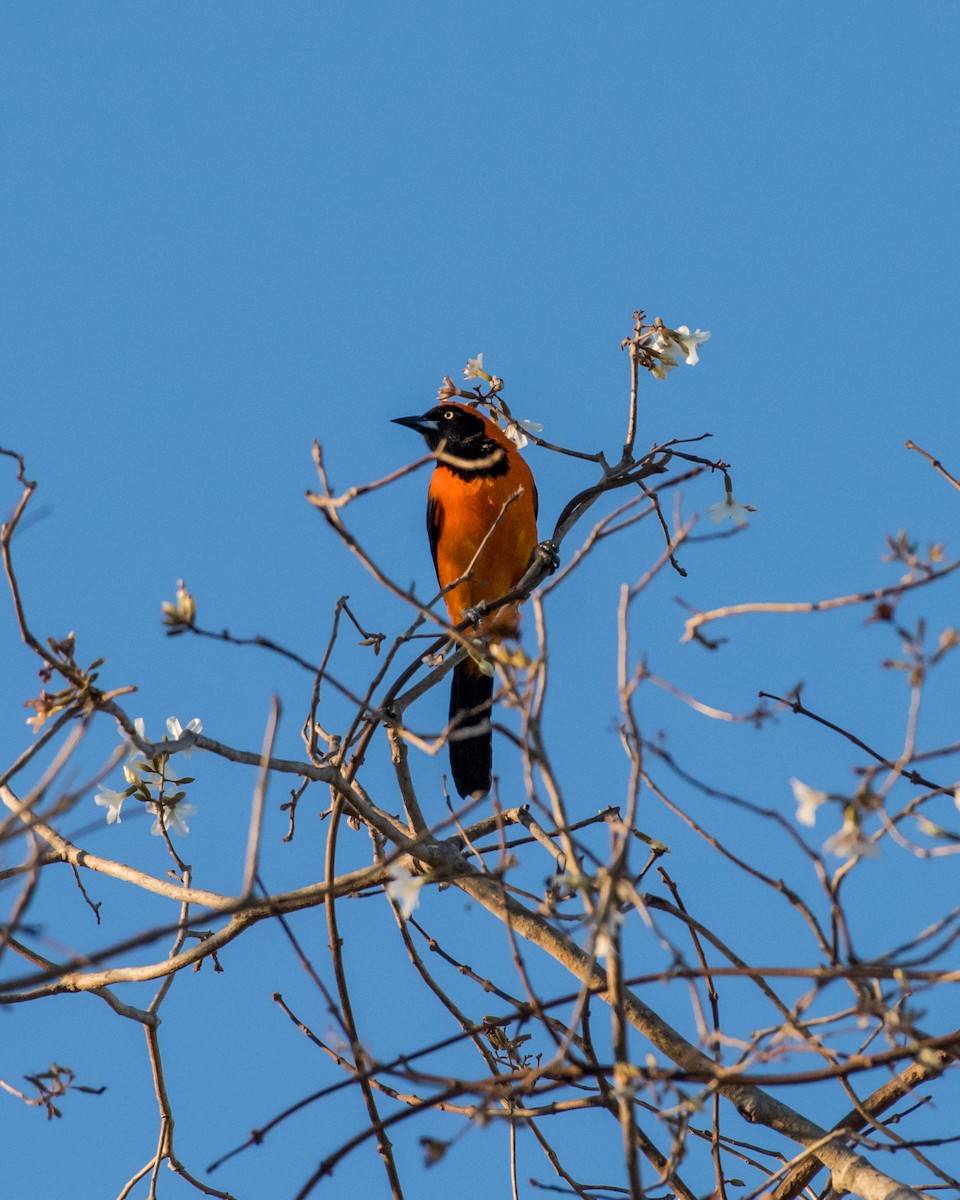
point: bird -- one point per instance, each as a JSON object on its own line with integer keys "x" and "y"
{"x": 482, "y": 525}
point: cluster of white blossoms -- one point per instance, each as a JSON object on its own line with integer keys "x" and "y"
{"x": 850, "y": 841}
{"x": 667, "y": 344}
{"x": 147, "y": 779}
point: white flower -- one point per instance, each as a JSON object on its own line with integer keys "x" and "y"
{"x": 667, "y": 342}
{"x": 474, "y": 369}
{"x": 930, "y": 829}
{"x": 664, "y": 368}
{"x": 689, "y": 342}
{"x": 173, "y": 818}
{"x": 132, "y": 769}
{"x": 606, "y": 940}
{"x": 517, "y": 432}
{"x": 110, "y": 800}
{"x": 447, "y": 389}
{"x": 183, "y": 611}
{"x": 956, "y": 797}
{"x": 808, "y": 801}
{"x": 141, "y": 734}
{"x": 665, "y": 360}
{"x": 850, "y": 842}
{"x": 176, "y": 730}
{"x": 404, "y": 889}
{"x": 728, "y": 507}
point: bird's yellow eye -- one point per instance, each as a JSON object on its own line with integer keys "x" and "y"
{"x": 449, "y": 415}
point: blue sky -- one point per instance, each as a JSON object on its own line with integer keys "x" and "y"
{"x": 229, "y": 229}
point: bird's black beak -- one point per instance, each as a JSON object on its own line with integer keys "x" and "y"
{"x": 424, "y": 425}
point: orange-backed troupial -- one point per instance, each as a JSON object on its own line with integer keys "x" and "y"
{"x": 465, "y": 502}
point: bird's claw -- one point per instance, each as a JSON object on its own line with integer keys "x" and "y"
{"x": 473, "y": 615}
{"x": 549, "y": 556}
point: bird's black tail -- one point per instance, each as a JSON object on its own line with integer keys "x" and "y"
{"x": 471, "y": 757}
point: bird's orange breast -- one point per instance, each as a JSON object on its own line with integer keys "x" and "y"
{"x": 467, "y": 511}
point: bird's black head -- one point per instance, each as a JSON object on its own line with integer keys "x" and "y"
{"x": 463, "y": 431}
